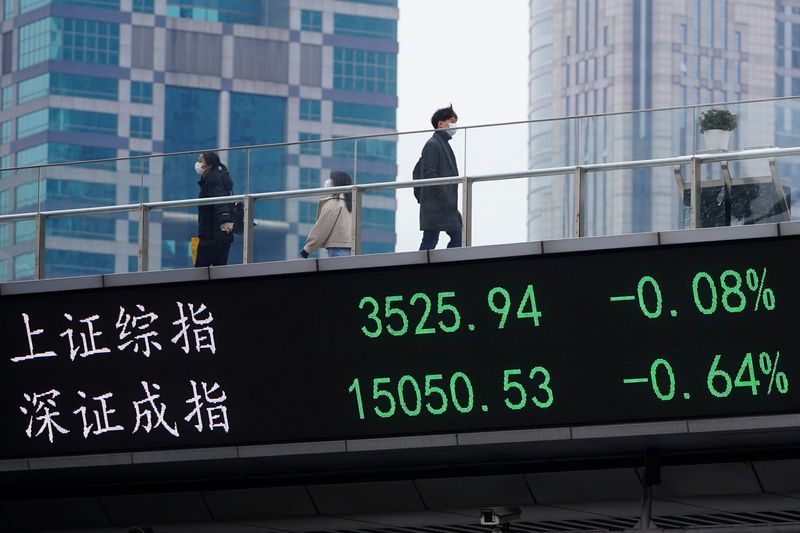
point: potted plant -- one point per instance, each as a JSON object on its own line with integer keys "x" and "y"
{"x": 716, "y": 126}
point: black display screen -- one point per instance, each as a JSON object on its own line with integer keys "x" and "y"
{"x": 523, "y": 342}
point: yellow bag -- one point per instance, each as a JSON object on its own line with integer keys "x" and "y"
{"x": 195, "y": 243}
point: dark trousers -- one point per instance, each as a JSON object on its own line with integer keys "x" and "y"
{"x": 213, "y": 251}
{"x": 430, "y": 238}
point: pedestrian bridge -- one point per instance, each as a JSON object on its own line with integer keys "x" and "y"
{"x": 604, "y": 383}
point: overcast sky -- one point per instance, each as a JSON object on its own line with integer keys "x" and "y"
{"x": 473, "y": 54}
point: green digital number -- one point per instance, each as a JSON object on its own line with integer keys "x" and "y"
{"x": 509, "y": 385}
{"x": 640, "y": 293}
{"x": 373, "y": 315}
{"x": 356, "y": 388}
{"x": 710, "y": 281}
{"x": 460, "y": 407}
{"x": 438, "y": 391}
{"x": 391, "y": 312}
{"x": 544, "y": 385}
{"x": 443, "y": 308}
{"x": 500, "y": 310}
{"x": 714, "y": 373}
{"x": 752, "y": 382}
{"x": 533, "y": 313}
{"x": 402, "y": 396}
{"x": 420, "y": 329}
{"x": 376, "y": 394}
{"x": 734, "y": 290}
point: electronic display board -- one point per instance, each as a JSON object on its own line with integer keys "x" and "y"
{"x": 611, "y": 336}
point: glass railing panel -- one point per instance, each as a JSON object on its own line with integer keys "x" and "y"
{"x": 84, "y": 245}
{"x": 635, "y": 201}
{"x": 409, "y": 235}
{"x": 172, "y": 232}
{"x": 551, "y": 201}
{"x": 636, "y": 136}
{"x": 495, "y": 149}
{"x": 499, "y": 212}
{"x": 551, "y": 143}
{"x": 751, "y": 191}
{"x": 377, "y": 161}
{"x": 757, "y": 125}
{"x": 20, "y": 192}
{"x": 88, "y": 184}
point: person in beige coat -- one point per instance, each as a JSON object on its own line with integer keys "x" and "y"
{"x": 333, "y": 229}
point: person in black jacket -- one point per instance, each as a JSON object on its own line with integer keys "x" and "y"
{"x": 215, "y": 222}
{"x": 438, "y": 205}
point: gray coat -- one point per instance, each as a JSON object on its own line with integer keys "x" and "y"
{"x": 438, "y": 209}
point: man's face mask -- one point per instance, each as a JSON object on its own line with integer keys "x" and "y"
{"x": 198, "y": 167}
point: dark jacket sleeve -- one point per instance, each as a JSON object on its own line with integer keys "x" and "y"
{"x": 431, "y": 156}
{"x": 222, "y": 212}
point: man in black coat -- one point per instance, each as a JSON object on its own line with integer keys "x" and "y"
{"x": 438, "y": 206}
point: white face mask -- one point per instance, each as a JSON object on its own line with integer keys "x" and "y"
{"x": 198, "y": 167}
{"x": 451, "y": 129}
{"x": 328, "y": 183}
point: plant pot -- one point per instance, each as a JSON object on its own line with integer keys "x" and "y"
{"x": 716, "y": 139}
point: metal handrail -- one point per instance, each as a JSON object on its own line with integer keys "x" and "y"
{"x": 358, "y": 190}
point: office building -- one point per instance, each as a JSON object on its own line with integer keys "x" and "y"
{"x": 95, "y": 79}
{"x": 592, "y": 57}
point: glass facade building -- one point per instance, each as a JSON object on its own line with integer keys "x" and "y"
{"x": 97, "y": 79}
{"x": 591, "y": 57}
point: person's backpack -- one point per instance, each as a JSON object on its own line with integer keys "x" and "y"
{"x": 417, "y": 174}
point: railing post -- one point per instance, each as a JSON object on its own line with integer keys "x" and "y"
{"x": 695, "y": 196}
{"x": 466, "y": 207}
{"x": 355, "y": 161}
{"x": 247, "y": 233}
{"x": 356, "y": 220}
{"x": 580, "y": 178}
{"x": 38, "y": 264}
{"x": 144, "y": 238}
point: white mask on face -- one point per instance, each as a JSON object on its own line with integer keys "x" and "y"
{"x": 198, "y": 167}
{"x": 451, "y": 129}
{"x": 328, "y": 183}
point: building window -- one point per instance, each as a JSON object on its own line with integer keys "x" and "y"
{"x": 8, "y": 9}
{"x": 7, "y": 97}
{"x": 737, "y": 40}
{"x": 24, "y": 231}
{"x": 34, "y": 155}
{"x": 141, "y": 165}
{"x": 310, "y": 178}
{"x": 26, "y": 196}
{"x": 143, "y": 6}
{"x": 310, "y": 109}
{"x": 5, "y": 132}
{"x": 141, "y": 127}
{"x": 67, "y": 85}
{"x": 364, "y": 70}
{"x": 311, "y": 20}
{"x": 32, "y": 123}
{"x": 307, "y": 212}
{"x": 82, "y": 121}
{"x": 23, "y": 266}
{"x": 141, "y": 92}
{"x": 34, "y": 88}
{"x": 3, "y": 265}
{"x": 364, "y": 115}
{"x": 310, "y": 148}
{"x": 86, "y": 41}
{"x": 370, "y": 27}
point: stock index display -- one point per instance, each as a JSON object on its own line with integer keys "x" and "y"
{"x": 596, "y": 337}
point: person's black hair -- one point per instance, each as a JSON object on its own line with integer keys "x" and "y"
{"x": 445, "y": 113}
{"x": 212, "y": 160}
{"x": 340, "y": 178}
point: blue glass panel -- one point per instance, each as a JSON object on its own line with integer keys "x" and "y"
{"x": 83, "y": 121}
{"x": 364, "y": 70}
{"x": 190, "y": 123}
{"x": 310, "y": 178}
{"x": 33, "y": 88}
{"x": 377, "y": 28}
{"x": 82, "y": 227}
{"x": 364, "y": 115}
{"x": 310, "y": 109}
{"x": 23, "y": 266}
{"x": 141, "y": 127}
{"x": 311, "y": 20}
{"x": 257, "y": 119}
{"x": 31, "y": 124}
{"x": 140, "y": 166}
{"x": 24, "y": 231}
{"x": 141, "y": 92}
{"x": 62, "y": 153}
{"x": 310, "y": 148}
{"x": 85, "y": 193}
{"x": 83, "y": 86}
{"x": 59, "y": 263}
